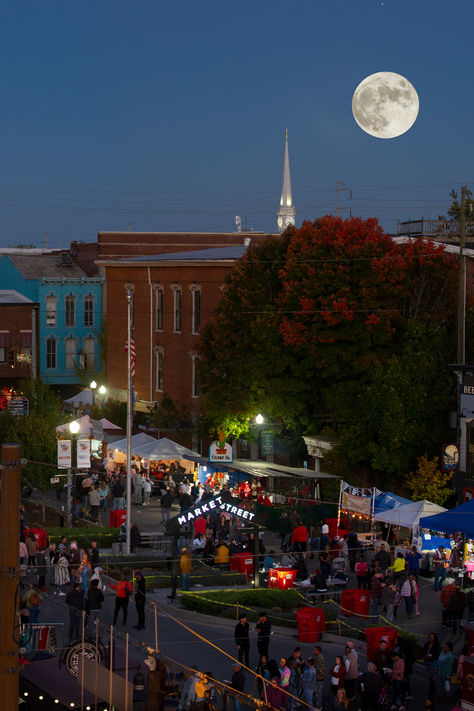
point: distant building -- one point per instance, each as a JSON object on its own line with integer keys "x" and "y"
{"x": 175, "y": 296}
{"x": 286, "y": 212}
{"x": 70, "y": 309}
{"x": 18, "y": 337}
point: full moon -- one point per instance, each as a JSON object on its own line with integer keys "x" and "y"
{"x": 385, "y": 105}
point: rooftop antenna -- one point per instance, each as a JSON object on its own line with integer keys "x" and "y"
{"x": 46, "y": 240}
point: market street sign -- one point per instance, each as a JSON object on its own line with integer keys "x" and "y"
{"x": 223, "y": 503}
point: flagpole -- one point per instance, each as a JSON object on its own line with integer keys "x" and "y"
{"x": 129, "y": 288}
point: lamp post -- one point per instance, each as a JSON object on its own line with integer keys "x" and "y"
{"x": 71, "y": 478}
{"x": 259, "y": 420}
{"x": 130, "y": 290}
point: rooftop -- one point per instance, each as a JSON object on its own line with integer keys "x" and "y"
{"x": 10, "y": 296}
{"x": 38, "y": 266}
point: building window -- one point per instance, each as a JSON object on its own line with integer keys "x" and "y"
{"x": 51, "y": 353}
{"x": 70, "y": 304}
{"x": 160, "y": 357}
{"x": 177, "y": 297}
{"x": 89, "y": 351}
{"x": 88, "y": 311}
{"x": 51, "y": 311}
{"x": 70, "y": 353}
{"x": 196, "y": 313}
{"x": 159, "y": 308}
{"x": 26, "y": 352}
{"x": 195, "y": 379}
{"x": 3, "y": 354}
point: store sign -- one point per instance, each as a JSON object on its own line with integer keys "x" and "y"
{"x": 359, "y": 504}
{"x": 221, "y": 452}
{"x": 224, "y": 503}
{"x": 450, "y": 457}
{"x": 64, "y": 454}
{"x": 18, "y": 406}
{"x": 83, "y": 453}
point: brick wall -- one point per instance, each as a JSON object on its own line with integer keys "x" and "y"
{"x": 14, "y": 318}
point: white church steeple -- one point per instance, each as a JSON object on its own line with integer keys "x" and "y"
{"x": 286, "y": 211}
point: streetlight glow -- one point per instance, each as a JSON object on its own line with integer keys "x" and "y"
{"x": 102, "y": 390}
{"x": 259, "y": 419}
{"x": 74, "y": 427}
{"x": 93, "y": 385}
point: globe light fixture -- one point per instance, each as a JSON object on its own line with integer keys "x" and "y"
{"x": 102, "y": 390}
{"x": 74, "y": 427}
{"x": 93, "y": 385}
{"x": 259, "y": 419}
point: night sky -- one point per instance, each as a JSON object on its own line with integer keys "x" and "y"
{"x": 171, "y": 115}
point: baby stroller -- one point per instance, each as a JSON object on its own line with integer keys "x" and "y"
{"x": 338, "y": 566}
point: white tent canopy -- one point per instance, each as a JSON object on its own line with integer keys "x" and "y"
{"x": 165, "y": 448}
{"x": 137, "y": 440}
{"x": 410, "y": 514}
{"x": 85, "y": 397}
{"x": 85, "y": 425}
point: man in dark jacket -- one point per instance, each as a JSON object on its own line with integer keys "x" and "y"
{"x": 370, "y": 688}
{"x": 75, "y": 600}
{"x": 264, "y": 629}
{"x": 166, "y": 503}
{"x": 241, "y": 636}
{"x": 238, "y": 683}
{"x": 94, "y": 555}
{"x": 284, "y": 528}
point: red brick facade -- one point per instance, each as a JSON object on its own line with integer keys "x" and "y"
{"x": 16, "y": 341}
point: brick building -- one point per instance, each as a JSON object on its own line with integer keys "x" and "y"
{"x": 19, "y": 355}
{"x": 175, "y": 295}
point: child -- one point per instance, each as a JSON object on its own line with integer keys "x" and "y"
{"x": 361, "y": 570}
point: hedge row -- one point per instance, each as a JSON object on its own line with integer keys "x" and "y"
{"x": 104, "y": 536}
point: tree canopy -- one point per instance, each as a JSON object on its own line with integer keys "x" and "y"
{"x": 336, "y": 317}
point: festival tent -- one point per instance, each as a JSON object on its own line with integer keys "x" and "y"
{"x": 85, "y": 425}
{"x": 136, "y": 440}
{"x": 85, "y": 397}
{"x": 388, "y": 501}
{"x": 409, "y": 515}
{"x": 459, "y": 519}
{"x": 165, "y": 448}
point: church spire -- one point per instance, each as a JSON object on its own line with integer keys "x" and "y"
{"x": 286, "y": 211}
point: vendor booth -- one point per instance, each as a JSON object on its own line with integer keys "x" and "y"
{"x": 408, "y": 516}
{"x": 459, "y": 519}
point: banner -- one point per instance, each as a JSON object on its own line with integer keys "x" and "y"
{"x": 64, "y": 454}
{"x": 221, "y": 452}
{"x": 359, "y": 504}
{"x": 83, "y": 453}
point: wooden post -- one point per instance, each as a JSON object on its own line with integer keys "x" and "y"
{"x": 9, "y": 574}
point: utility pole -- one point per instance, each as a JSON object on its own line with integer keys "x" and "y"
{"x": 130, "y": 290}
{"x": 340, "y": 189}
{"x": 9, "y": 575}
{"x": 462, "y": 281}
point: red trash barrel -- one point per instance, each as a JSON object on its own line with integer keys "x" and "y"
{"x": 360, "y": 602}
{"x": 281, "y": 578}
{"x": 311, "y": 622}
{"x": 373, "y": 635}
{"x": 242, "y": 563}
{"x": 347, "y": 603}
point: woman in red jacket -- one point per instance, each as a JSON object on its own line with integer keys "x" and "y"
{"x": 124, "y": 590}
{"x": 337, "y": 674}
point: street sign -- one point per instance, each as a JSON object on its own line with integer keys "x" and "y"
{"x": 54, "y": 480}
{"x": 267, "y": 443}
{"x": 221, "y": 451}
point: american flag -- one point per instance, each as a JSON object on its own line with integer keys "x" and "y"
{"x": 133, "y": 355}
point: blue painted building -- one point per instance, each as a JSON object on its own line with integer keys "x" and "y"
{"x": 70, "y": 305}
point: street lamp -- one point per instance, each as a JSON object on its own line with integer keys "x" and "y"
{"x": 259, "y": 419}
{"x": 74, "y": 428}
{"x": 102, "y": 390}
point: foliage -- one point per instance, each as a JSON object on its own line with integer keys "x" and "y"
{"x": 263, "y": 598}
{"x": 104, "y": 536}
{"x": 454, "y": 209}
{"x": 337, "y": 318}
{"x": 428, "y": 482}
{"x": 43, "y": 401}
{"x": 113, "y": 410}
{"x": 167, "y": 415}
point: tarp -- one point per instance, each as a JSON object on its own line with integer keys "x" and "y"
{"x": 459, "y": 519}
{"x": 387, "y": 501}
{"x": 410, "y": 514}
{"x": 165, "y": 448}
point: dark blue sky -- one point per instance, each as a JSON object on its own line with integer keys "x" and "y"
{"x": 171, "y": 115}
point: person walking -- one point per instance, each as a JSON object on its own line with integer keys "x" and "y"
{"x": 430, "y": 654}
{"x": 103, "y": 494}
{"x": 75, "y": 600}
{"x": 31, "y": 547}
{"x": 241, "y": 636}
{"x": 138, "y": 488}
{"x": 352, "y": 672}
{"x": 337, "y": 674}
{"x": 299, "y": 539}
{"x": 117, "y": 495}
{"x": 61, "y": 573}
{"x": 94, "y": 600}
{"x": 146, "y": 490}
{"x": 388, "y": 599}
{"x": 444, "y": 669}
{"x": 124, "y": 590}
{"x": 185, "y": 567}
{"x": 320, "y": 667}
{"x": 42, "y": 568}
{"x": 284, "y": 529}
{"x": 308, "y": 681}
{"x": 166, "y": 504}
{"x": 408, "y": 593}
{"x": 413, "y": 562}
{"x": 362, "y": 570}
{"x": 94, "y": 554}
{"x": 264, "y": 630}
{"x": 94, "y": 502}
{"x": 376, "y": 587}
{"x": 439, "y": 562}
{"x": 238, "y": 684}
{"x": 140, "y": 599}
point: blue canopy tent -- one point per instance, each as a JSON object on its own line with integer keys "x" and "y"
{"x": 387, "y": 500}
{"x": 460, "y": 519}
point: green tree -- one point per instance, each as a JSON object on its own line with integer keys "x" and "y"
{"x": 429, "y": 482}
